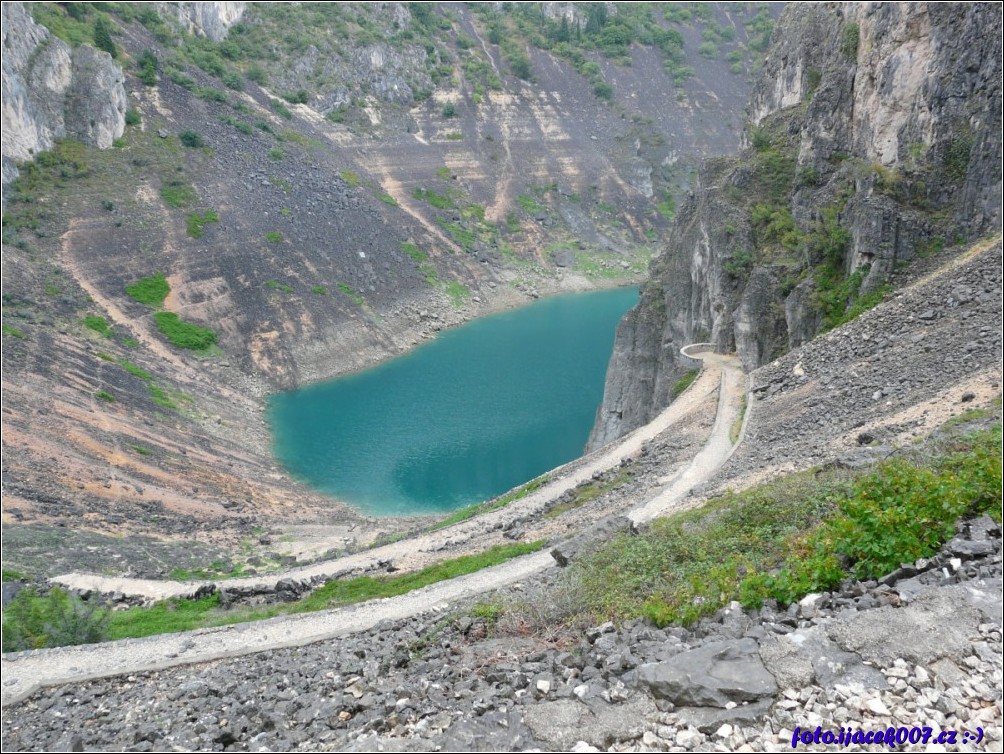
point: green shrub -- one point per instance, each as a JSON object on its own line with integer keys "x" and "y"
{"x": 257, "y": 74}
{"x": 276, "y": 154}
{"x": 802, "y": 533}
{"x": 148, "y": 66}
{"x": 320, "y": 290}
{"x": 850, "y": 38}
{"x": 299, "y": 97}
{"x": 12, "y": 331}
{"x": 273, "y": 236}
{"x": 150, "y": 291}
{"x": 103, "y": 36}
{"x": 105, "y": 396}
{"x": 184, "y": 334}
{"x": 603, "y": 90}
{"x": 58, "y": 618}
{"x": 449, "y": 110}
{"x": 132, "y": 117}
{"x": 191, "y": 139}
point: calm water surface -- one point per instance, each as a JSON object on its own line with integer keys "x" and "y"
{"x": 477, "y": 411}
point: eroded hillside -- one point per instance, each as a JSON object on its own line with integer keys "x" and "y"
{"x": 300, "y": 191}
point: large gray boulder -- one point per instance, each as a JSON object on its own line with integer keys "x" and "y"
{"x": 710, "y": 676}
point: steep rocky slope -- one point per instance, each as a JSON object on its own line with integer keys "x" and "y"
{"x": 321, "y": 186}
{"x": 874, "y": 139}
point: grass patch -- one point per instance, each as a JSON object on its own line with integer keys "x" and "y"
{"x": 136, "y": 371}
{"x": 530, "y": 205}
{"x": 150, "y": 291}
{"x": 439, "y": 201}
{"x": 414, "y": 253}
{"x": 800, "y": 534}
{"x": 351, "y": 293}
{"x": 197, "y": 223}
{"x": 12, "y": 331}
{"x": 273, "y": 236}
{"x": 350, "y": 177}
{"x": 387, "y": 199}
{"x": 161, "y": 397}
{"x": 178, "y": 194}
{"x": 589, "y": 491}
{"x": 105, "y": 396}
{"x": 172, "y": 616}
{"x": 366, "y": 588}
{"x": 184, "y": 334}
{"x": 458, "y": 293}
{"x": 319, "y": 290}
{"x": 683, "y": 383}
{"x": 275, "y": 285}
{"x": 477, "y": 509}
{"x": 99, "y": 324}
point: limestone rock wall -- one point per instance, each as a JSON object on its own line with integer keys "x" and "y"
{"x": 883, "y": 123}
{"x": 212, "y": 20}
{"x": 50, "y": 91}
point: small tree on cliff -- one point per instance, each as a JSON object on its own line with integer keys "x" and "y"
{"x": 103, "y": 37}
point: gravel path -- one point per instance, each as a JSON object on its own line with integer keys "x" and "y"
{"x": 27, "y": 672}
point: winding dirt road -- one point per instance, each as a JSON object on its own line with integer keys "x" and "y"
{"x": 27, "y": 672}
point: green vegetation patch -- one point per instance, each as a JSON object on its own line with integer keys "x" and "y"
{"x": 136, "y": 370}
{"x": 184, "y": 334}
{"x": 413, "y": 252}
{"x": 33, "y": 621}
{"x": 589, "y": 491}
{"x": 492, "y": 505}
{"x": 196, "y": 223}
{"x": 457, "y": 292}
{"x": 192, "y": 139}
{"x": 351, "y": 293}
{"x": 12, "y": 331}
{"x": 150, "y": 291}
{"x": 99, "y": 324}
{"x": 178, "y": 194}
{"x": 800, "y": 534}
{"x": 683, "y": 383}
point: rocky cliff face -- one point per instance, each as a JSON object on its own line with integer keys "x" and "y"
{"x": 874, "y": 136}
{"x": 212, "y": 20}
{"x": 51, "y": 91}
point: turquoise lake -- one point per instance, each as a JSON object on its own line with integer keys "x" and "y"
{"x": 479, "y": 410}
